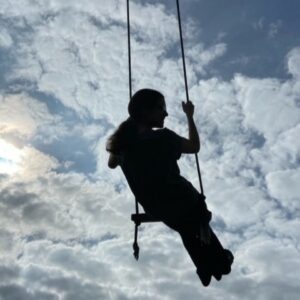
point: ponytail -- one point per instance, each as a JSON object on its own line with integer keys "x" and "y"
{"x": 123, "y": 138}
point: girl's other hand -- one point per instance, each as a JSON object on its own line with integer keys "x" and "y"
{"x": 188, "y": 108}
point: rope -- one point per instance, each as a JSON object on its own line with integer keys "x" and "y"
{"x": 182, "y": 53}
{"x": 135, "y": 245}
{"x": 129, "y": 50}
{"x": 129, "y": 68}
{"x": 186, "y": 86}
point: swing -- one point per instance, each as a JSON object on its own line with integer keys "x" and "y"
{"x": 139, "y": 218}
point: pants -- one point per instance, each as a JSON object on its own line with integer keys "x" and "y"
{"x": 209, "y": 256}
{"x": 188, "y": 226}
{"x": 187, "y": 222}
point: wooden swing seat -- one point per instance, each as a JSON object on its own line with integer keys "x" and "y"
{"x": 143, "y": 218}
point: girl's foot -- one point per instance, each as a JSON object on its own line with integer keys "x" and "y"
{"x": 204, "y": 276}
{"x": 228, "y": 260}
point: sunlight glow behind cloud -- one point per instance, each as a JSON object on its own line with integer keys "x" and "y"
{"x": 10, "y": 158}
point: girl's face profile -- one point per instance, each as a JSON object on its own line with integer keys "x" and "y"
{"x": 158, "y": 114}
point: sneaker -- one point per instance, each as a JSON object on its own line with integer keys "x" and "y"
{"x": 217, "y": 275}
{"x": 205, "y": 277}
{"x": 228, "y": 257}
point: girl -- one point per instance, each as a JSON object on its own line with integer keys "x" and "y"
{"x": 148, "y": 159}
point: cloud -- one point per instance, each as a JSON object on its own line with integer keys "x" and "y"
{"x": 258, "y": 25}
{"x": 269, "y": 106}
{"x": 22, "y": 115}
{"x": 201, "y": 58}
{"x": 5, "y": 39}
{"x": 293, "y": 59}
{"x": 283, "y": 185}
{"x": 65, "y": 216}
{"x": 274, "y": 28}
{"x": 267, "y": 259}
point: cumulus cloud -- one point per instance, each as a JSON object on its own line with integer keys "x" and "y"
{"x": 283, "y": 185}
{"x": 269, "y": 106}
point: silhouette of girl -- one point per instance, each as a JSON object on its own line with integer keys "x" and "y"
{"x": 148, "y": 159}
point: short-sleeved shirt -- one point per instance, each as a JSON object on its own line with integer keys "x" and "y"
{"x": 153, "y": 175}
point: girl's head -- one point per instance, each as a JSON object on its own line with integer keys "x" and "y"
{"x": 147, "y": 108}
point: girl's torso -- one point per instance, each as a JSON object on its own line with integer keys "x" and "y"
{"x": 151, "y": 169}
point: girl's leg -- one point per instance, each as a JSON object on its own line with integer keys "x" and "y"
{"x": 191, "y": 244}
{"x": 211, "y": 259}
{"x": 197, "y": 252}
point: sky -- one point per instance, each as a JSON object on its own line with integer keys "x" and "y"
{"x": 65, "y": 216}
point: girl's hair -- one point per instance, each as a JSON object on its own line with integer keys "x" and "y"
{"x": 142, "y": 102}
